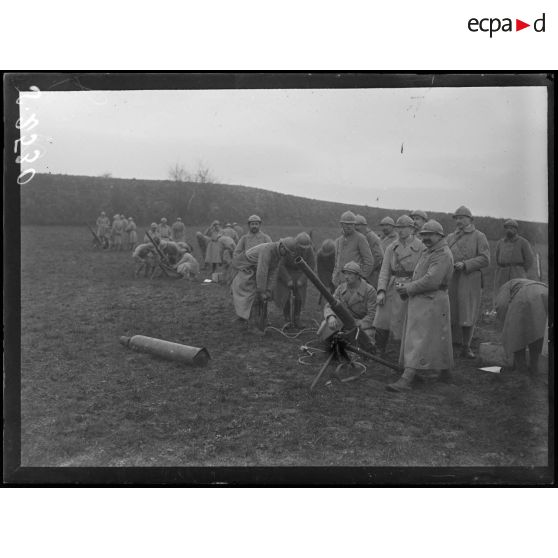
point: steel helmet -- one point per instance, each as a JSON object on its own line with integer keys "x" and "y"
{"x": 303, "y": 240}
{"x": 419, "y": 213}
{"x": 511, "y": 223}
{"x": 463, "y": 212}
{"x": 432, "y": 226}
{"x": 348, "y": 217}
{"x": 153, "y": 225}
{"x": 103, "y": 213}
{"x": 361, "y": 220}
{"x": 164, "y": 220}
{"x": 353, "y": 267}
{"x": 289, "y": 243}
{"x": 254, "y": 219}
{"x": 328, "y": 246}
{"x": 179, "y": 219}
{"x": 387, "y": 221}
{"x": 404, "y": 221}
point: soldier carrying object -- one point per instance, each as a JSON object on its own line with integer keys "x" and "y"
{"x": 419, "y": 217}
{"x": 325, "y": 263}
{"x": 292, "y": 281}
{"x": 253, "y": 237}
{"x": 145, "y": 257}
{"x": 387, "y": 224}
{"x": 522, "y": 308}
{"x": 471, "y": 253}
{"x": 400, "y": 259}
{"x": 351, "y": 246}
{"x": 257, "y": 274}
{"x": 375, "y": 247}
{"x": 426, "y": 343}
{"x": 514, "y": 256}
{"x": 178, "y": 231}
{"x": 358, "y": 296}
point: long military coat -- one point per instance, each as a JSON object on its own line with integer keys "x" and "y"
{"x": 522, "y": 307}
{"x": 514, "y": 257}
{"x": 178, "y": 231}
{"x": 248, "y": 241}
{"x": 400, "y": 258}
{"x": 470, "y": 247}
{"x": 352, "y": 248}
{"x": 426, "y": 342}
{"x": 378, "y": 254}
{"x": 386, "y": 240}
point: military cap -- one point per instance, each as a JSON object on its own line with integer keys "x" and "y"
{"x": 463, "y": 212}
{"x": 353, "y": 267}
{"x": 254, "y": 219}
{"x": 387, "y": 221}
{"x": 289, "y": 243}
{"x": 404, "y": 221}
{"x": 432, "y": 226}
{"x": 511, "y": 223}
{"x": 419, "y": 213}
{"x": 348, "y": 217}
{"x": 303, "y": 240}
{"x": 361, "y": 220}
{"x": 328, "y": 246}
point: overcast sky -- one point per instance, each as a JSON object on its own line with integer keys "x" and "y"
{"x": 432, "y": 149}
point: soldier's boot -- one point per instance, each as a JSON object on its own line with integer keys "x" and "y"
{"x": 381, "y": 336}
{"x": 445, "y": 376}
{"x": 535, "y": 350}
{"x": 520, "y": 361}
{"x": 404, "y": 382}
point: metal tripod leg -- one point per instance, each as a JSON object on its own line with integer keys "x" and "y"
{"x": 322, "y": 370}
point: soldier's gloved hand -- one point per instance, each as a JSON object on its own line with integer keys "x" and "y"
{"x": 381, "y": 298}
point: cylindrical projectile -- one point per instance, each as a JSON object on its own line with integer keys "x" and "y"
{"x": 167, "y": 349}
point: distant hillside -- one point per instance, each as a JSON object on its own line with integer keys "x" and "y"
{"x": 51, "y": 199}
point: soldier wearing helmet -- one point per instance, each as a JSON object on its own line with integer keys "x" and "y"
{"x": 153, "y": 232}
{"x": 290, "y": 278}
{"x": 358, "y": 296}
{"x": 351, "y": 246}
{"x": 426, "y": 342}
{"x": 125, "y": 238}
{"x": 145, "y": 258}
{"x": 231, "y": 233}
{"x": 117, "y": 232}
{"x": 257, "y": 270}
{"x": 471, "y": 253}
{"x": 514, "y": 256}
{"x": 178, "y": 231}
{"x": 400, "y": 259}
{"x": 238, "y": 229}
{"x": 252, "y": 238}
{"x": 375, "y": 247}
{"x": 164, "y": 230}
{"x": 103, "y": 228}
{"x": 131, "y": 229}
{"x": 387, "y": 224}
{"x": 419, "y": 217}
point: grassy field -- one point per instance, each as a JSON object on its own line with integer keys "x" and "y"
{"x": 88, "y": 401}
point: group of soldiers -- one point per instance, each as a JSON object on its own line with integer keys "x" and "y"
{"x": 119, "y": 235}
{"x": 411, "y": 284}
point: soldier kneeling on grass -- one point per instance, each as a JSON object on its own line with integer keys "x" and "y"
{"x": 145, "y": 257}
{"x": 188, "y": 267}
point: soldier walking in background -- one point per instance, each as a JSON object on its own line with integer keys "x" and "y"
{"x": 387, "y": 224}
{"x": 325, "y": 264}
{"x": 426, "y": 342}
{"x": 291, "y": 280}
{"x": 375, "y": 247}
{"x": 419, "y": 217}
{"x": 254, "y": 237}
{"x": 514, "y": 256}
{"x": 351, "y": 246}
{"x": 400, "y": 259}
{"x": 178, "y": 231}
{"x": 471, "y": 253}
{"x": 153, "y": 231}
{"x": 522, "y": 308}
{"x": 131, "y": 229}
{"x": 257, "y": 273}
{"x": 164, "y": 230}
{"x": 117, "y": 232}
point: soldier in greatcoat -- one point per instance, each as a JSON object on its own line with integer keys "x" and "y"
{"x": 188, "y": 266}
{"x": 257, "y": 270}
{"x": 290, "y": 278}
{"x": 227, "y": 245}
{"x": 103, "y": 228}
{"x": 254, "y": 237}
{"x": 419, "y": 217}
{"x": 522, "y": 308}
{"x": 125, "y": 236}
{"x": 400, "y": 259}
{"x": 389, "y": 235}
{"x": 131, "y": 229}
{"x": 325, "y": 263}
{"x": 178, "y": 231}
{"x": 153, "y": 232}
{"x": 358, "y": 296}
{"x": 471, "y": 253}
{"x": 213, "y": 251}
{"x": 164, "y": 230}
{"x": 117, "y": 231}
{"x": 514, "y": 256}
{"x": 375, "y": 247}
{"x": 426, "y": 343}
{"x": 351, "y": 246}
